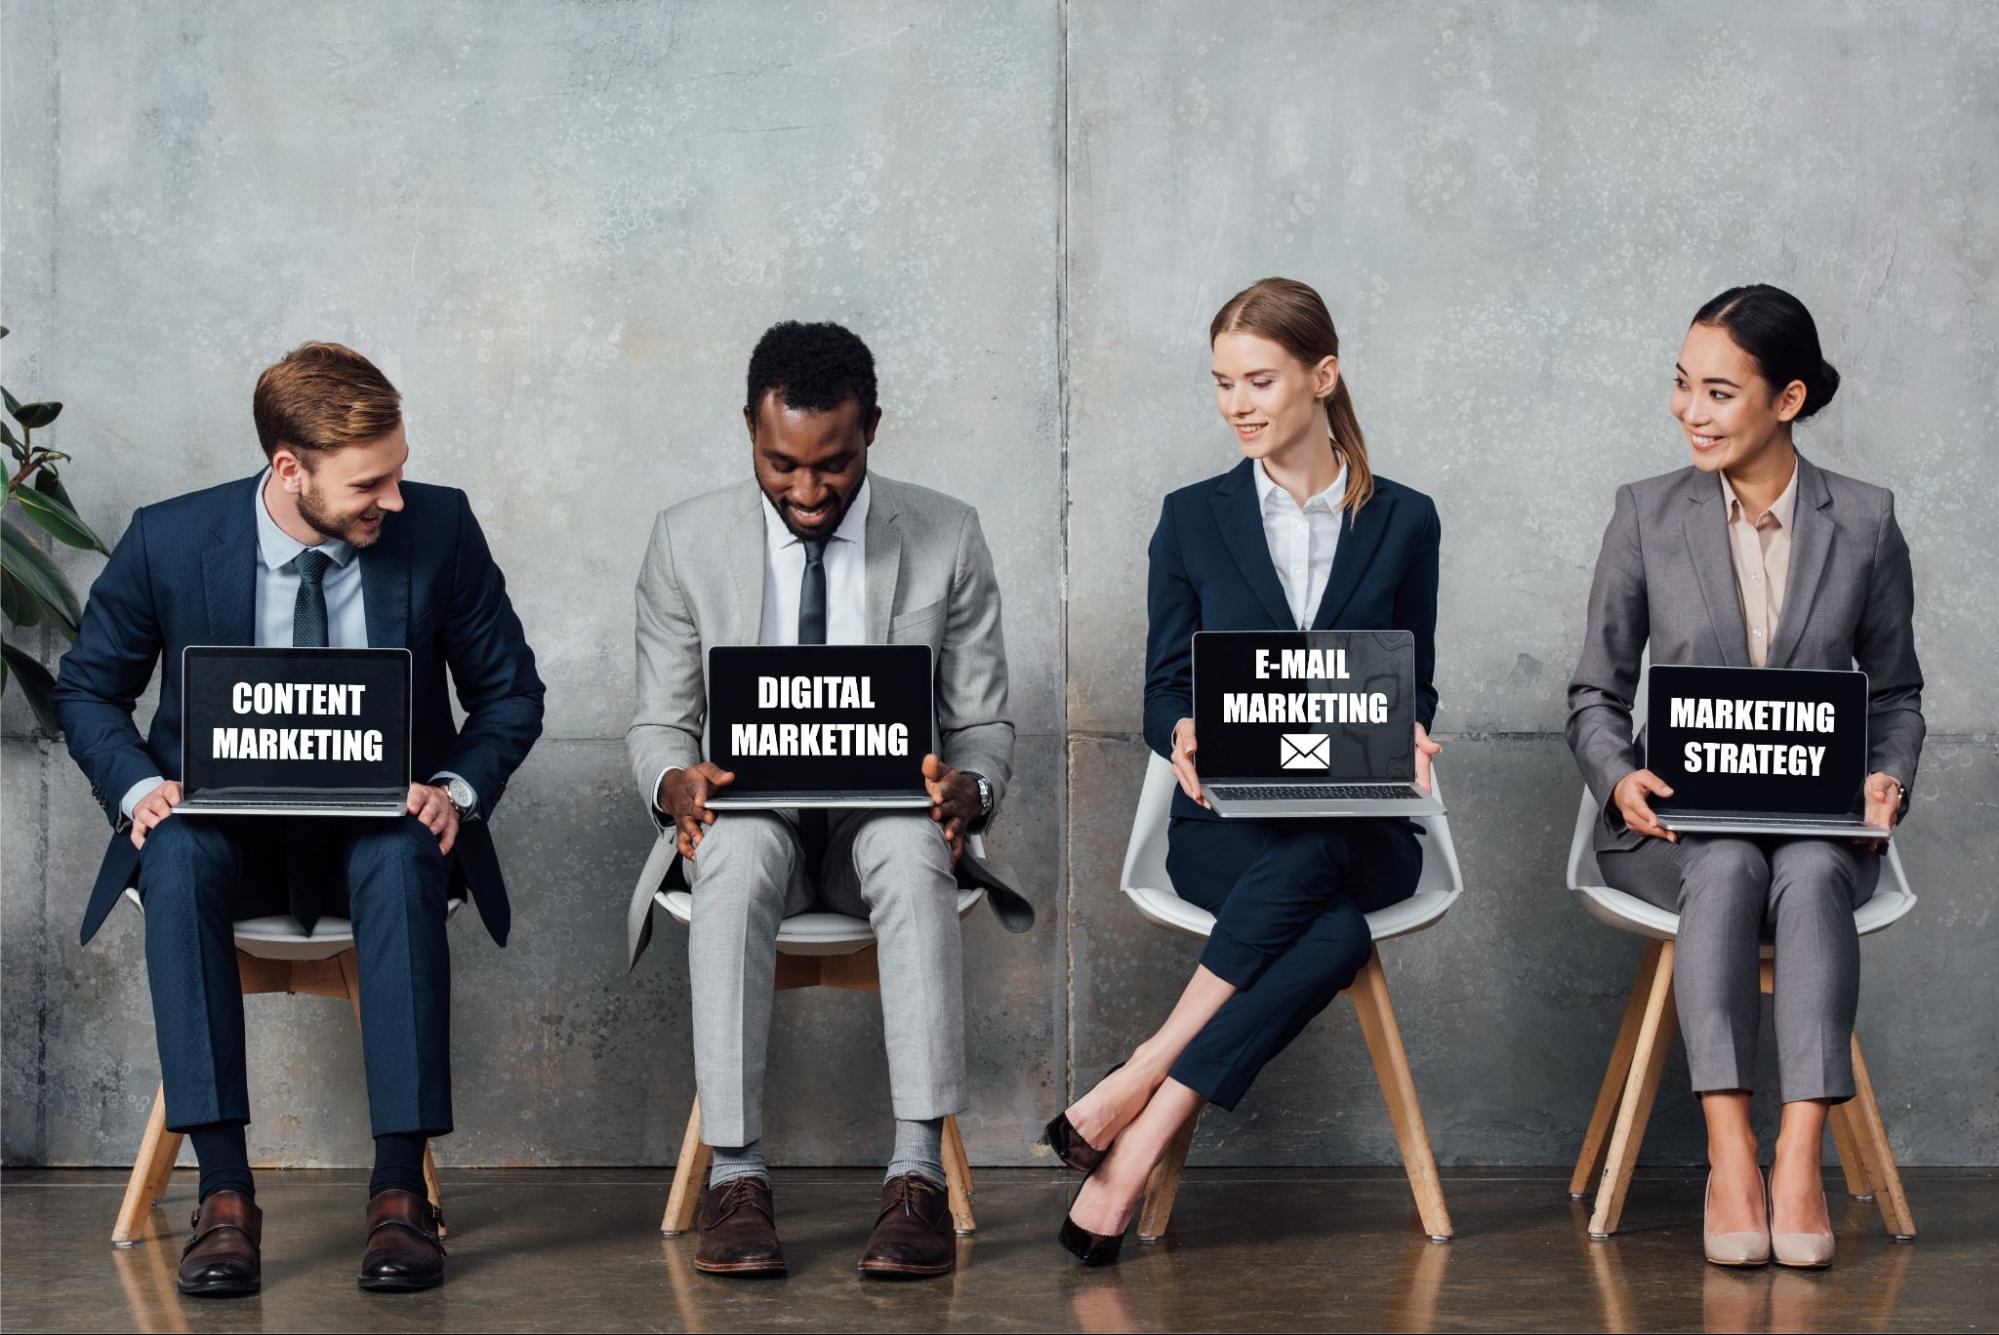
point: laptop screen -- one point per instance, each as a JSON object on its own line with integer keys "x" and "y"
{"x": 294, "y": 720}
{"x": 821, "y": 718}
{"x": 1781, "y": 740}
{"x": 1315, "y": 705}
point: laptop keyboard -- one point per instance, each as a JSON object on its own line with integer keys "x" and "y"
{"x": 1314, "y": 792}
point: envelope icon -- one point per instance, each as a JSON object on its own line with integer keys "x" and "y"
{"x": 1307, "y": 750}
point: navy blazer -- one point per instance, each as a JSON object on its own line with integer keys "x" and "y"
{"x": 185, "y": 573}
{"x": 1211, "y": 570}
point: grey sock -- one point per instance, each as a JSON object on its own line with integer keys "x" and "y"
{"x": 743, "y": 1161}
{"x": 919, "y": 1148}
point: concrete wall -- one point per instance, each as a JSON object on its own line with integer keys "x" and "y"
{"x": 559, "y": 228}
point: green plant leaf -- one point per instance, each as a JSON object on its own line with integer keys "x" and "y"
{"x": 48, "y": 480}
{"x": 37, "y": 574}
{"x": 13, "y": 404}
{"x": 34, "y": 416}
{"x": 3, "y": 331}
{"x": 21, "y": 609}
{"x": 36, "y": 683}
{"x": 58, "y": 520}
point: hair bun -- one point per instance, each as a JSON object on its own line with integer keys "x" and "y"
{"x": 1824, "y": 385}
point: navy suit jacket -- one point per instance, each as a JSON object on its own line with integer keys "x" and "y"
{"x": 185, "y": 573}
{"x": 1211, "y": 570}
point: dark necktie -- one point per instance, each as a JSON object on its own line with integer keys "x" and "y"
{"x": 812, "y": 630}
{"x": 309, "y": 612}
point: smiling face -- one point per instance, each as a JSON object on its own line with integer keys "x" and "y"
{"x": 1729, "y": 412}
{"x": 810, "y": 464}
{"x": 345, "y": 493}
{"x": 1272, "y": 401}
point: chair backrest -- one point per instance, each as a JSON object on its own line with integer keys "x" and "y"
{"x": 1145, "y": 855}
{"x": 1582, "y": 848}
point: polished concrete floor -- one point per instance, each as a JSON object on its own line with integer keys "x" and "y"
{"x": 1301, "y": 1250}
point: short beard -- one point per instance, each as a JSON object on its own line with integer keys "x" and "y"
{"x": 326, "y": 526}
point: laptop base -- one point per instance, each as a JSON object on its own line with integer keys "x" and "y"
{"x": 1280, "y": 799}
{"x": 820, "y": 801}
{"x": 1770, "y": 822}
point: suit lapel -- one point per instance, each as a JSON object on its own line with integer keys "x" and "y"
{"x": 1240, "y": 519}
{"x": 1811, "y": 548}
{"x": 1707, "y": 544}
{"x": 884, "y": 560}
{"x": 385, "y": 587}
{"x": 229, "y": 568}
{"x": 746, "y": 548}
{"x": 1360, "y": 539}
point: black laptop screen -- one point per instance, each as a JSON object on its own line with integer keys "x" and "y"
{"x": 1753, "y": 740}
{"x": 294, "y": 720}
{"x": 1312, "y": 706}
{"x": 821, "y": 718}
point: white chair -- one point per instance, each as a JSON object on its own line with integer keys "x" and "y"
{"x": 814, "y": 950}
{"x": 1146, "y": 883}
{"x": 1645, "y": 1037}
{"x": 273, "y": 954}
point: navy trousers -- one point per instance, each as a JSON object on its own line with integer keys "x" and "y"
{"x": 1288, "y": 898}
{"x": 198, "y": 875}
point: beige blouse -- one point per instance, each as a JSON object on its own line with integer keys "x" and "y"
{"x": 1761, "y": 546}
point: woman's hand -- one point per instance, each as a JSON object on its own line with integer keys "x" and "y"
{"x": 1425, "y": 748}
{"x": 1883, "y": 795}
{"x": 1632, "y": 798}
{"x": 1183, "y": 760}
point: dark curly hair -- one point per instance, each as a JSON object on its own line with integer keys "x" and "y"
{"x": 816, "y": 367}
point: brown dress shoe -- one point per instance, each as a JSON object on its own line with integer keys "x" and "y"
{"x": 221, "y": 1258}
{"x": 404, "y": 1251}
{"x": 913, "y": 1231}
{"x": 738, "y": 1230}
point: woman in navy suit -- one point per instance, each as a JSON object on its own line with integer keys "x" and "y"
{"x": 1300, "y": 535}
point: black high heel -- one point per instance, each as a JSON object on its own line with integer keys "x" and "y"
{"x": 1092, "y": 1249}
{"x": 1069, "y": 1145}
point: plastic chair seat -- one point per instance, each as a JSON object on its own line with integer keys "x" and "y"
{"x": 280, "y": 936}
{"x": 809, "y": 933}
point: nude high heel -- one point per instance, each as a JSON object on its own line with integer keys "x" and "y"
{"x": 1750, "y": 1248}
{"x": 1800, "y": 1251}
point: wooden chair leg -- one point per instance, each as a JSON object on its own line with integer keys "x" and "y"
{"x": 1641, "y": 1086}
{"x": 958, "y": 1180}
{"x": 1852, "y": 1160}
{"x": 1872, "y": 1135}
{"x": 689, "y": 1172}
{"x": 1157, "y": 1209}
{"x": 1596, "y": 1140}
{"x": 150, "y": 1173}
{"x": 1398, "y": 1089}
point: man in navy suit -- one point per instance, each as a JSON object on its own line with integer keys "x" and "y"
{"x": 328, "y": 546}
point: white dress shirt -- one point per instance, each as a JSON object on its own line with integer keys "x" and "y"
{"x": 846, "y": 577}
{"x": 1301, "y": 540}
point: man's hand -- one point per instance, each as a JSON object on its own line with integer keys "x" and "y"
{"x": 432, "y": 805}
{"x": 1183, "y": 760}
{"x": 683, "y": 796}
{"x": 1425, "y": 748}
{"x": 1883, "y": 794}
{"x": 1633, "y": 796}
{"x": 153, "y": 808}
{"x": 954, "y": 802}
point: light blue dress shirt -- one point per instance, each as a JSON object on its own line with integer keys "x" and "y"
{"x": 277, "y": 598}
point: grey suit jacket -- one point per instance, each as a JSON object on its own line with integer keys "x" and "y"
{"x": 929, "y": 581}
{"x": 1665, "y": 577}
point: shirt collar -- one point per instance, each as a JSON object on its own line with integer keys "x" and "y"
{"x": 1269, "y": 490}
{"x": 1781, "y": 509}
{"x": 852, "y": 524}
{"x": 277, "y": 548}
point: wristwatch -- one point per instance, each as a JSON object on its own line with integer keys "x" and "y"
{"x": 985, "y": 797}
{"x": 462, "y": 798}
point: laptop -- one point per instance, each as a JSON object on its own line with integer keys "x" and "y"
{"x": 821, "y": 725}
{"x": 1759, "y": 750}
{"x": 294, "y": 732}
{"x": 1308, "y": 723}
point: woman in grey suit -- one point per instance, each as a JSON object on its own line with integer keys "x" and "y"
{"x": 1752, "y": 556}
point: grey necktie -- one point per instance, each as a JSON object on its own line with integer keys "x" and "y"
{"x": 309, "y": 612}
{"x": 812, "y": 825}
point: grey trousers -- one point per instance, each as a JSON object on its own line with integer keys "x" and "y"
{"x": 1733, "y": 893}
{"x": 892, "y": 868}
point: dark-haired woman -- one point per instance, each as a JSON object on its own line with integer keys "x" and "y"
{"x": 1299, "y": 535}
{"x": 1752, "y": 556}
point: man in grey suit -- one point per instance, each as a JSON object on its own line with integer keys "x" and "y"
{"x": 816, "y": 550}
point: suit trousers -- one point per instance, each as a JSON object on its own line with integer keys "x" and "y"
{"x": 1289, "y": 899}
{"x": 1733, "y": 893}
{"x": 892, "y": 868}
{"x": 198, "y": 875}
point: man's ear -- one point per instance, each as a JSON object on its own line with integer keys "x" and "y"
{"x": 868, "y": 428}
{"x": 750, "y": 423}
{"x": 289, "y": 469}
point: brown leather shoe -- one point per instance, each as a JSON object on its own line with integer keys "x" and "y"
{"x": 221, "y": 1259}
{"x": 738, "y": 1226}
{"x": 913, "y": 1232}
{"x": 404, "y": 1251}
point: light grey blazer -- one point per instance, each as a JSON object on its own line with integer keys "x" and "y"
{"x": 929, "y": 581}
{"x": 1666, "y": 577}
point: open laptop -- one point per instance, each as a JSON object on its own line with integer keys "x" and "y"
{"x": 1759, "y": 750}
{"x": 294, "y": 732}
{"x": 1308, "y": 723}
{"x": 821, "y": 725}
